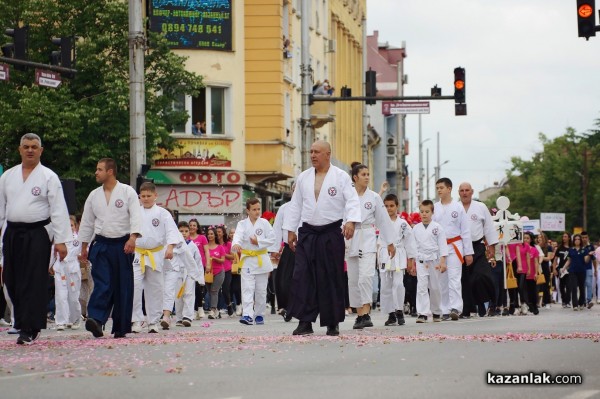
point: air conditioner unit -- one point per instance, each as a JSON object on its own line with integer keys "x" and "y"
{"x": 392, "y": 162}
{"x": 391, "y": 140}
{"x": 330, "y": 46}
{"x": 391, "y": 150}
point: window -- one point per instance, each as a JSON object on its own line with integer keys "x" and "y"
{"x": 210, "y": 106}
{"x": 179, "y": 105}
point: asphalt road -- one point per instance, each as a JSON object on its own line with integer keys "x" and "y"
{"x": 225, "y": 359}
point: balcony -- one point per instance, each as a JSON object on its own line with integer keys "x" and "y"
{"x": 322, "y": 112}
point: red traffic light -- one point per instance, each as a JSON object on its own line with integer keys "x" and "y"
{"x": 586, "y": 20}
{"x": 585, "y": 11}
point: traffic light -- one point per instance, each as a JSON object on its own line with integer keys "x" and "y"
{"x": 460, "y": 106}
{"x": 371, "y": 85}
{"x": 66, "y": 56}
{"x": 586, "y": 18}
{"x": 18, "y": 48}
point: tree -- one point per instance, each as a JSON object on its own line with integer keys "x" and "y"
{"x": 87, "y": 118}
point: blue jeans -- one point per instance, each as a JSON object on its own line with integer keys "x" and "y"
{"x": 589, "y": 278}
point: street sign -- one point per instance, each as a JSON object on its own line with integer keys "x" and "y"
{"x": 404, "y": 107}
{"x": 4, "y": 72}
{"x": 47, "y": 78}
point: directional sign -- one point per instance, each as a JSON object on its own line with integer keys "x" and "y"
{"x": 404, "y": 107}
{"x": 47, "y": 78}
{"x": 4, "y": 72}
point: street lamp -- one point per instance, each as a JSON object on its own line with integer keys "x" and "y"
{"x": 420, "y": 193}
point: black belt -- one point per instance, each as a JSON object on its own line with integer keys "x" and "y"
{"x": 23, "y": 225}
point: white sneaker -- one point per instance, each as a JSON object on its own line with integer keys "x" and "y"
{"x": 13, "y": 331}
{"x": 4, "y": 323}
{"x": 76, "y": 325}
{"x": 238, "y": 310}
{"x": 153, "y": 328}
{"x": 212, "y": 314}
{"x": 201, "y": 313}
{"x": 524, "y": 309}
{"x": 136, "y": 327}
{"x": 179, "y": 323}
{"x": 60, "y": 327}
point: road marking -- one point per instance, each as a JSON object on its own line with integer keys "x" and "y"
{"x": 12, "y": 377}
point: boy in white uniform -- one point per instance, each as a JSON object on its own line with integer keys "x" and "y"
{"x": 431, "y": 263}
{"x": 159, "y": 236}
{"x": 190, "y": 272}
{"x": 67, "y": 283}
{"x": 391, "y": 271}
{"x": 253, "y": 237}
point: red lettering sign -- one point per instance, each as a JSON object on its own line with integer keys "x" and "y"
{"x": 208, "y": 200}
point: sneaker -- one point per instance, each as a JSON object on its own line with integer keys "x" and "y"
{"x": 367, "y": 321}
{"x": 136, "y": 327}
{"x": 454, "y": 314}
{"x": 392, "y": 320}
{"x": 407, "y": 308}
{"x": 201, "y": 313}
{"x": 28, "y": 338}
{"x": 590, "y": 304}
{"x": 400, "y": 317}
{"x": 76, "y": 325}
{"x": 437, "y": 318}
{"x": 179, "y": 323}
{"x": 94, "y": 327}
{"x": 212, "y": 314}
{"x": 575, "y": 308}
{"x": 358, "y": 324}
{"x": 247, "y": 320}
{"x": 333, "y": 331}
{"x": 4, "y": 323}
{"x": 505, "y": 312}
{"x": 464, "y": 316}
{"x": 186, "y": 322}
{"x": 524, "y": 309}
{"x": 165, "y": 323}
{"x": 422, "y": 319}
{"x": 238, "y": 310}
{"x": 60, "y": 327}
{"x": 445, "y": 317}
{"x": 581, "y": 307}
{"x": 259, "y": 320}
{"x": 304, "y": 328}
{"x": 13, "y": 331}
{"x": 153, "y": 328}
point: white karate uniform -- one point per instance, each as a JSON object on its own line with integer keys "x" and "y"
{"x": 391, "y": 271}
{"x": 186, "y": 266}
{"x": 453, "y": 219}
{"x": 67, "y": 283}
{"x": 189, "y": 275}
{"x": 255, "y": 276}
{"x": 119, "y": 217}
{"x": 362, "y": 248}
{"x": 158, "y": 230}
{"x": 281, "y": 234}
{"x": 338, "y": 200}
{"x": 481, "y": 223}
{"x": 431, "y": 246}
{"x": 38, "y": 198}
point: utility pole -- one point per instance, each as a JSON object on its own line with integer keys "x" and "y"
{"x": 365, "y": 138}
{"x": 427, "y": 175}
{"x": 137, "y": 106}
{"x": 400, "y": 135}
{"x": 420, "y": 193}
{"x": 306, "y": 73}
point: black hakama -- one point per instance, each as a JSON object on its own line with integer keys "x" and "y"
{"x": 283, "y": 277}
{"x": 318, "y": 279}
{"x": 26, "y": 248}
{"x": 477, "y": 280}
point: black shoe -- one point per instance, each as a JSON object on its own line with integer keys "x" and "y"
{"x": 445, "y": 317}
{"x": 505, "y": 312}
{"x": 286, "y": 316}
{"x": 94, "y": 327}
{"x": 333, "y": 331}
{"x": 392, "y": 320}
{"x": 120, "y": 335}
{"x": 28, "y": 338}
{"x": 358, "y": 324}
{"x": 436, "y": 318}
{"x": 422, "y": 319}
{"x": 304, "y": 328}
{"x": 464, "y": 316}
{"x": 367, "y": 321}
{"x": 400, "y": 317}
{"x": 454, "y": 314}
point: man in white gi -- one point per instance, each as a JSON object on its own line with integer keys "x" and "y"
{"x": 324, "y": 196}
{"x": 478, "y": 283}
{"x": 159, "y": 236}
{"x": 453, "y": 219}
{"x": 111, "y": 218}
{"x": 33, "y": 211}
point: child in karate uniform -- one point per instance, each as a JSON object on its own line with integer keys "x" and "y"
{"x": 189, "y": 274}
{"x": 392, "y": 270}
{"x": 253, "y": 236}
{"x": 67, "y": 283}
{"x": 432, "y": 251}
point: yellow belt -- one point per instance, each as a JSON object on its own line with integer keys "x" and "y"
{"x": 149, "y": 252}
{"x": 250, "y": 252}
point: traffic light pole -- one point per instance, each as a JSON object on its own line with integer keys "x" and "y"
{"x": 53, "y": 68}
{"x": 378, "y": 98}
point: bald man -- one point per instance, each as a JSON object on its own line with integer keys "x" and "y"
{"x": 477, "y": 280}
{"x": 326, "y": 207}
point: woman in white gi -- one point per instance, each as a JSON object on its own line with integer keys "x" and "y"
{"x": 362, "y": 248}
{"x": 67, "y": 283}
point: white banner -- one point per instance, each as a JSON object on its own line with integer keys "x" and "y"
{"x": 552, "y": 221}
{"x": 531, "y": 226}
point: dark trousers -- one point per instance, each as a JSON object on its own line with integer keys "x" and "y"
{"x": 545, "y": 288}
{"x": 565, "y": 288}
{"x": 26, "y": 248}
{"x": 477, "y": 281}
{"x": 283, "y": 278}
{"x": 519, "y": 293}
{"x": 577, "y": 284}
{"x": 112, "y": 272}
{"x": 318, "y": 281}
{"x": 410, "y": 286}
{"x": 532, "y": 295}
{"x": 236, "y": 289}
{"x": 199, "y": 298}
{"x": 498, "y": 276}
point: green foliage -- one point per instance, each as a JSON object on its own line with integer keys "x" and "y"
{"x": 556, "y": 179}
{"x": 87, "y": 118}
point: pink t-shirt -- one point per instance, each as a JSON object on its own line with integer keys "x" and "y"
{"x": 227, "y": 263}
{"x": 528, "y": 267}
{"x": 200, "y": 242}
{"x": 217, "y": 252}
